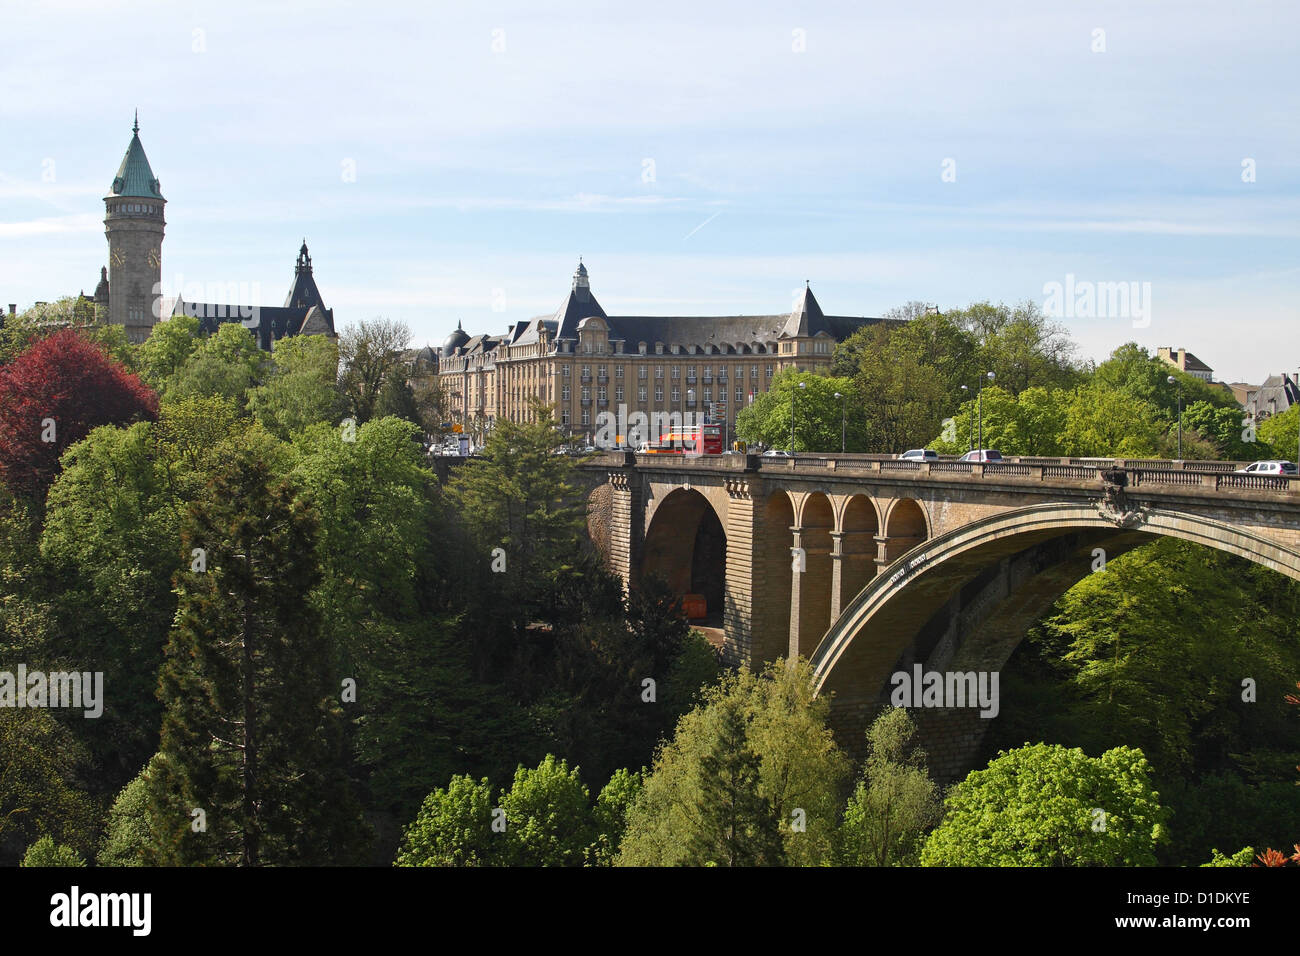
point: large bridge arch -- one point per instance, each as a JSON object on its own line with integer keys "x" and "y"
{"x": 963, "y": 600}
{"x": 686, "y": 546}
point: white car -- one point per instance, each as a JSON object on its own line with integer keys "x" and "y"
{"x": 776, "y": 453}
{"x": 1269, "y": 468}
{"x": 919, "y": 454}
{"x": 982, "y": 454}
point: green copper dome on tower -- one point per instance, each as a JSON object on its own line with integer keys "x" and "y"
{"x": 134, "y": 177}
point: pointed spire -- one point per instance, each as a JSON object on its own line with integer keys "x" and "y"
{"x": 807, "y": 317}
{"x": 134, "y": 177}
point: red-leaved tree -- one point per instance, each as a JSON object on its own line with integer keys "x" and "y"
{"x": 51, "y": 396}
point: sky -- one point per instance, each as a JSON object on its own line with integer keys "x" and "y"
{"x": 450, "y": 162}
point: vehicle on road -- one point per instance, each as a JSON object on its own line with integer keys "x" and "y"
{"x": 982, "y": 454}
{"x": 1269, "y": 468}
{"x": 919, "y": 454}
{"x": 695, "y": 440}
{"x": 776, "y": 453}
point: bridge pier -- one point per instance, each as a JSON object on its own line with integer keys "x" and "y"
{"x": 627, "y": 531}
{"x": 810, "y": 590}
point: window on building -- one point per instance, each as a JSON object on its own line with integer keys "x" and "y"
{"x": 677, "y": 395}
{"x": 602, "y": 392}
{"x": 708, "y": 393}
{"x": 659, "y": 393}
{"x": 640, "y": 393}
{"x": 618, "y": 371}
{"x": 618, "y": 393}
{"x": 740, "y": 394}
{"x": 659, "y": 371}
{"x": 564, "y": 417}
{"x": 565, "y": 373}
{"x": 642, "y": 372}
{"x": 564, "y": 394}
{"x": 586, "y": 392}
{"x": 769, "y": 371}
{"x": 677, "y": 372}
{"x": 753, "y": 371}
{"x": 586, "y": 417}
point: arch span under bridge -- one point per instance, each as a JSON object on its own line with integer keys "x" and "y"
{"x": 867, "y": 565}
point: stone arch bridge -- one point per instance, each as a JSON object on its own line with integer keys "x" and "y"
{"x": 869, "y": 565}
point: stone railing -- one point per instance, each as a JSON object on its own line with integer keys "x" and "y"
{"x": 1216, "y": 476}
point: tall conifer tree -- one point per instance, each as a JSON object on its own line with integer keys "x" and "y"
{"x": 252, "y": 732}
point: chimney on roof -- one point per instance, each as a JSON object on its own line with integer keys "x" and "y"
{"x": 13, "y": 308}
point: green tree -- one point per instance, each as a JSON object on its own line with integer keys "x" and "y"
{"x": 301, "y": 388}
{"x": 368, "y": 352}
{"x": 895, "y": 803}
{"x": 1280, "y": 432}
{"x": 40, "y": 763}
{"x": 817, "y": 414}
{"x": 735, "y": 823}
{"x": 609, "y": 816}
{"x": 45, "y": 852}
{"x": 127, "y": 836}
{"x": 1044, "y": 805}
{"x": 1225, "y": 428}
{"x": 454, "y": 828}
{"x": 112, "y": 534}
{"x": 548, "y": 816}
{"x": 1104, "y": 423}
{"x": 225, "y": 364}
{"x": 397, "y": 397}
{"x": 169, "y": 346}
{"x": 252, "y": 730}
{"x": 519, "y": 497}
{"x": 800, "y": 773}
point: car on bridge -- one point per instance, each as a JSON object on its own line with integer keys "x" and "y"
{"x": 776, "y": 453}
{"x": 1269, "y": 468}
{"x": 982, "y": 454}
{"x": 919, "y": 454}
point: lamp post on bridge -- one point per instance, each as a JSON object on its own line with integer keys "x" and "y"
{"x": 970, "y": 442}
{"x": 990, "y": 377}
{"x": 844, "y": 418}
{"x": 793, "y": 393}
{"x": 1178, "y": 386}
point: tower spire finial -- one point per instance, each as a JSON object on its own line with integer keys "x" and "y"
{"x": 135, "y": 128}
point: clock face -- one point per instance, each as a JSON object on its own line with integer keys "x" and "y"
{"x": 155, "y": 259}
{"x": 118, "y": 257}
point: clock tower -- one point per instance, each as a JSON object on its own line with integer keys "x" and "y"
{"x": 134, "y": 226}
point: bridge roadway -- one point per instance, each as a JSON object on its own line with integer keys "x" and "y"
{"x": 867, "y": 564}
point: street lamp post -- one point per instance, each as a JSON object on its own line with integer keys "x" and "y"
{"x": 844, "y": 418}
{"x": 690, "y": 402}
{"x": 970, "y": 442}
{"x": 1173, "y": 381}
{"x": 980, "y": 402}
{"x": 793, "y": 393}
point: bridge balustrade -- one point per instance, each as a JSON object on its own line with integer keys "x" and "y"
{"x": 1208, "y": 475}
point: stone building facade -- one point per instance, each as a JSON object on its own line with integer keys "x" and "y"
{"x": 583, "y": 362}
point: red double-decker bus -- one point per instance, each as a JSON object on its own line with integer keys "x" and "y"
{"x": 695, "y": 440}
